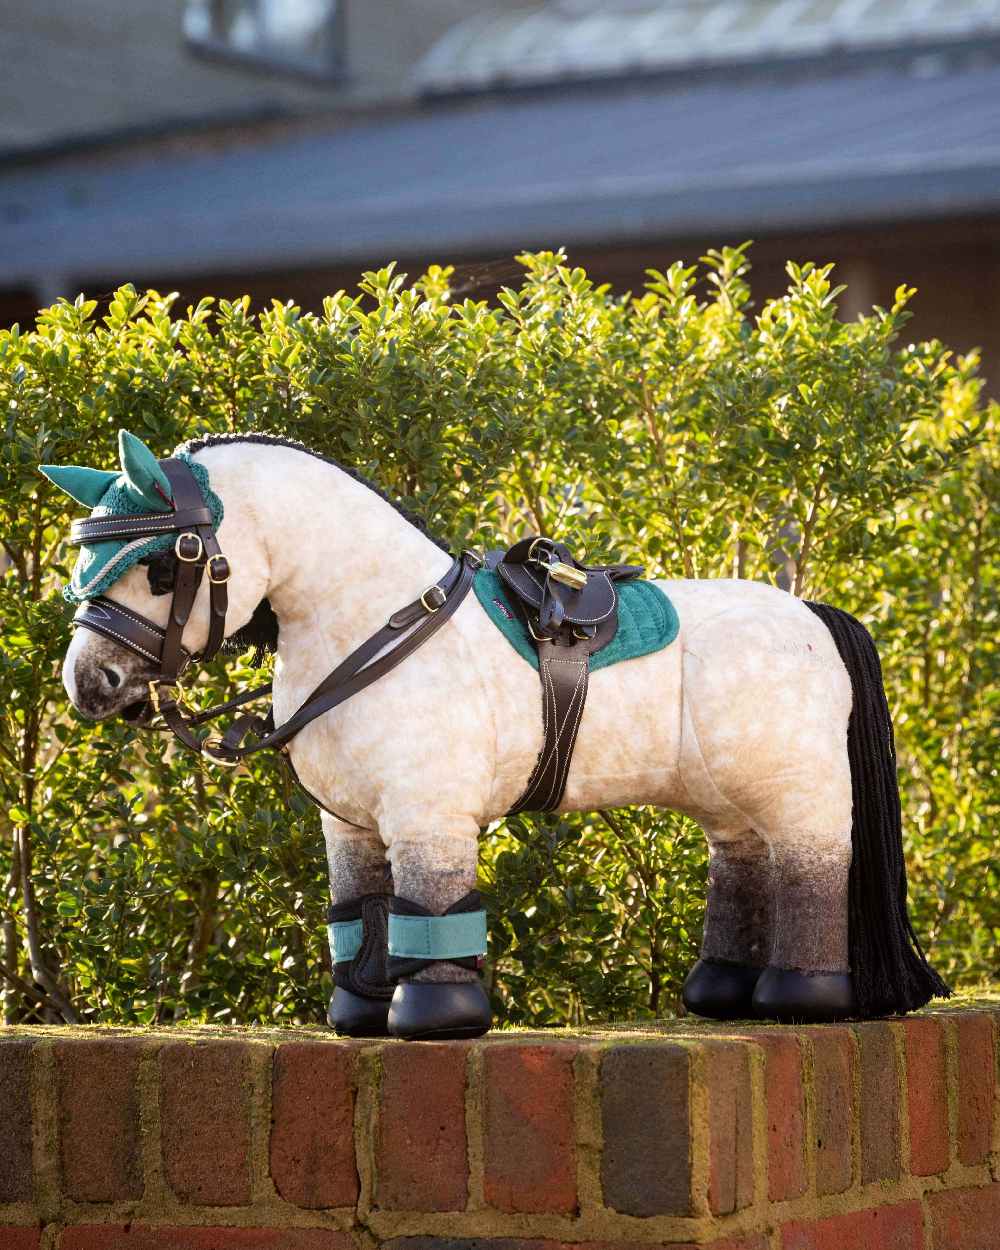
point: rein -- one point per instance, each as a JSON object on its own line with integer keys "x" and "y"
{"x": 199, "y": 555}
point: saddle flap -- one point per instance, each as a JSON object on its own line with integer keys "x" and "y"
{"x": 590, "y": 605}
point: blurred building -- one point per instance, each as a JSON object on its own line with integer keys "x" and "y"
{"x": 280, "y": 146}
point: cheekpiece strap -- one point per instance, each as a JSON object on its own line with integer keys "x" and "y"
{"x": 456, "y": 936}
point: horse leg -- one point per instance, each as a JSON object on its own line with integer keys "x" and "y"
{"x": 736, "y": 945}
{"x": 437, "y": 936}
{"x": 809, "y": 974}
{"x": 360, "y": 887}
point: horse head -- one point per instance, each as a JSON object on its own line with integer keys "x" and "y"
{"x": 152, "y": 550}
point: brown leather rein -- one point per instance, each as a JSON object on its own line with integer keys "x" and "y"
{"x": 199, "y": 555}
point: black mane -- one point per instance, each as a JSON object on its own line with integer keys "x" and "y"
{"x": 261, "y": 631}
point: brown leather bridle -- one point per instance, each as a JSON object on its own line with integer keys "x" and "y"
{"x": 198, "y": 555}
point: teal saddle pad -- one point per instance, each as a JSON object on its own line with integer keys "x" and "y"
{"x": 647, "y": 621}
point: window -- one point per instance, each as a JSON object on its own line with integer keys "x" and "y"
{"x": 297, "y": 36}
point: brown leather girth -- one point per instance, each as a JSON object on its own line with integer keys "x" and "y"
{"x": 564, "y": 671}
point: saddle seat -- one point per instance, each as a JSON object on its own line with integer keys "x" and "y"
{"x": 570, "y": 610}
{"x": 562, "y": 600}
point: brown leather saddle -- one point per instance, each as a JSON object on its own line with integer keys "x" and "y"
{"x": 570, "y": 611}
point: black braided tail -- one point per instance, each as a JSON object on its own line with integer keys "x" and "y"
{"x": 890, "y": 972}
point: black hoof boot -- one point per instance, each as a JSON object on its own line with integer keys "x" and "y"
{"x": 720, "y": 990}
{"x": 436, "y": 1011}
{"x": 354, "y": 1016}
{"x": 804, "y": 997}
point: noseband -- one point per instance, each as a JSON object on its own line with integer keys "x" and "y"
{"x": 198, "y": 556}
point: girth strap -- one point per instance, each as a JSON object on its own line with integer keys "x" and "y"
{"x": 564, "y": 673}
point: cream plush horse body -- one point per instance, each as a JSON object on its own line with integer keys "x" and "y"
{"x": 742, "y": 723}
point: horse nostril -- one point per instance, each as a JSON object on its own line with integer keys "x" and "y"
{"x": 113, "y": 678}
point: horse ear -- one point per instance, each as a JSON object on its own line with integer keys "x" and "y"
{"x": 145, "y": 481}
{"x": 86, "y": 486}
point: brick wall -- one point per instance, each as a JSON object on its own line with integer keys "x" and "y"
{"x": 877, "y": 1136}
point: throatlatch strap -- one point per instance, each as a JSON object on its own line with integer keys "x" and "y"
{"x": 456, "y": 936}
{"x": 345, "y": 939}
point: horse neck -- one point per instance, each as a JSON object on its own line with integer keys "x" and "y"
{"x": 340, "y": 558}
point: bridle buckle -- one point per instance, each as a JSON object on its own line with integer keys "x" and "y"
{"x": 221, "y": 577}
{"x": 438, "y": 599}
{"x": 181, "y": 550}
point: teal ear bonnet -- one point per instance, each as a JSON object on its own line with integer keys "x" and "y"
{"x": 140, "y": 487}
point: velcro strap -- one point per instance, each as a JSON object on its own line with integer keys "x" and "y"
{"x": 345, "y": 939}
{"x": 438, "y": 937}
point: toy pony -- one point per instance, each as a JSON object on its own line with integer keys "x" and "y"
{"x": 418, "y": 696}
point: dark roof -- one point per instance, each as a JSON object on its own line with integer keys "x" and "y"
{"x": 497, "y": 173}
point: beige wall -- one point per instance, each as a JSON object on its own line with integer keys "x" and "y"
{"x": 81, "y": 67}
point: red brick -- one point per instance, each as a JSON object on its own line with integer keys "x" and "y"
{"x": 15, "y": 1121}
{"x": 833, "y": 1100}
{"x": 976, "y": 1087}
{"x": 145, "y": 1237}
{"x": 20, "y": 1238}
{"x": 879, "y": 1103}
{"x": 759, "y": 1242}
{"x": 730, "y": 1127}
{"x": 786, "y": 1140}
{"x": 205, "y": 1121}
{"x": 927, "y": 1095}
{"x": 99, "y": 1119}
{"x": 645, "y": 1111}
{"x": 312, "y": 1124}
{"x": 530, "y": 1155}
{"x": 421, "y": 1152}
{"x": 898, "y": 1227}
{"x": 966, "y": 1219}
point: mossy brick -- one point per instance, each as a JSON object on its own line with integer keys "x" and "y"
{"x": 927, "y": 1094}
{"x": 879, "y": 1111}
{"x": 966, "y": 1219}
{"x": 785, "y": 1105}
{"x": 15, "y": 1121}
{"x": 99, "y": 1139}
{"x": 645, "y": 1111}
{"x": 977, "y": 1081}
{"x": 529, "y": 1139}
{"x": 833, "y": 1057}
{"x": 312, "y": 1124}
{"x": 730, "y": 1127}
{"x": 898, "y": 1226}
{"x": 421, "y": 1156}
{"x": 171, "y": 1237}
{"x": 205, "y": 1121}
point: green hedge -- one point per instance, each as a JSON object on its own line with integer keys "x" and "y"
{"x": 684, "y": 427}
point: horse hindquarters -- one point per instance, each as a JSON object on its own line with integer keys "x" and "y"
{"x": 766, "y": 702}
{"x": 890, "y": 972}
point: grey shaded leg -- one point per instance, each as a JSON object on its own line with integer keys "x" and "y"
{"x": 357, "y": 861}
{"x": 435, "y": 871}
{"x": 810, "y": 885}
{"x": 738, "y": 914}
